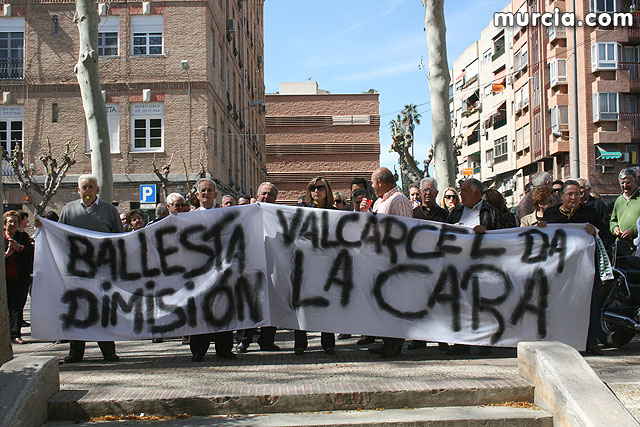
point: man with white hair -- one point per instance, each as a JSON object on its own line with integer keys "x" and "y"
{"x": 199, "y": 344}
{"x": 429, "y": 209}
{"x": 91, "y": 213}
{"x": 596, "y": 204}
{"x": 176, "y": 204}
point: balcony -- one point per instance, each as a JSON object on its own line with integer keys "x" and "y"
{"x": 634, "y": 30}
{"x": 499, "y": 52}
{"x": 11, "y": 68}
{"x": 7, "y": 169}
{"x": 632, "y": 122}
{"x": 634, "y": 74}
{"x": 558, "y": 144}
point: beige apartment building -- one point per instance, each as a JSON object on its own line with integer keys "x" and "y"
{"x": 537, "y": 100}
{"x": 312, "y": 132}
{"x": 183, "y": 82}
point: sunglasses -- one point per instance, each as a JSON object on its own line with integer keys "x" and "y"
{"x": 450, "y": 196}
{"x": 318, "y": 188}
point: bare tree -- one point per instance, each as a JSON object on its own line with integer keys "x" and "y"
{"x": 95, "y": 110}
{"x": 202, "y": 173}
{"x": 439, "y": 80}
{"x": 54, "y": 174}
{"x": 163, "y": 176}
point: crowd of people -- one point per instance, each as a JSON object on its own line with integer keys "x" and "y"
{"x": 473, "y": 206}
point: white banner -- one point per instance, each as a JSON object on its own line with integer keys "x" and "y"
{"x": 326, "y": 270}
{"x": 187, "y": 274}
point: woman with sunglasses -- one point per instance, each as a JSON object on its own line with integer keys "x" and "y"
{"x": 450, "y": 199}
{"x": 318, "y": 195}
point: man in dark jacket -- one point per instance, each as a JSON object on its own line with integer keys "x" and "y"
{"x": 429, "y": 209}
{"x": 475, "y": 213}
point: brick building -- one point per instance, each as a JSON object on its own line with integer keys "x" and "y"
{"x": 311, "y": 132}
{"x": 538, "y": 99}
{"x": 181, "y": 80}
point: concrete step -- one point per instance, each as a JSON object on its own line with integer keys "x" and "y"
{"x": 263, "y": 399}
{"x": 453, "y": 416}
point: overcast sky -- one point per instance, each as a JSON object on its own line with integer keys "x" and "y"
{"x": 350, "y": 46}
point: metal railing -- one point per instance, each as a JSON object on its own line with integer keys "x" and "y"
{"x": 11, "y": 68}
{"x": 634, "y": 72}
{"x": 633, "y": 120}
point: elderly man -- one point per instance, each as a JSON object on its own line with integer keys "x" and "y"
{"x": 176, "y": 204}
{"x": 91, "y": 213}
{"x": 596, "y": 204}
{"x": 525, "y": 207}
{"x": 479, "y": 215}
{"x": 162, "y": 211}
{"x": 390, "y": 201}
{"x": 228, "y": 201}
{"x": 206, "y": 193}
{"x": 626, "y": 209}
{"x": 267, "y": 193}
{"x": 429, "y": 210}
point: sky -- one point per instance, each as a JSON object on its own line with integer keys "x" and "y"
{"x": 351, "y": 46}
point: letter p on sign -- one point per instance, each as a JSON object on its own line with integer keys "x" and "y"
{"x": 148, "y": 193}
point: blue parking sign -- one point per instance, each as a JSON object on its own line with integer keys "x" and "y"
{"x": 148, "y": 193}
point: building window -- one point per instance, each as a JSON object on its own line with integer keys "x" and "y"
{"x": 559, "y": 118}
{"x": 603, "y": 6}
{"x": 113, "y": 122}
{"x": 604, "y": 55}
{"x": 54, "y": 25}
{"x": 214, "y": 131}
{"x": 147, "y": 125}
{"x": 486, "y": 56}
{"x": 11, "y": 118}
{"x": 558, "y": 71}
{"x": 147, "y": 35}
{"x": 109, "y": 36}
{"x": 12, "y": 48}
{"x": 605, "y": 106}
{"x": 500, "y": 149}
{"x": 54, "y": 112}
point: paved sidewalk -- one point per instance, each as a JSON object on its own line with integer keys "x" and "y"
{"x": 157, "y": 371}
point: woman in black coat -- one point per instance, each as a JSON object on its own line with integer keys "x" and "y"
{"x": 318, "y": 195}
{"x": 18, "y": 252}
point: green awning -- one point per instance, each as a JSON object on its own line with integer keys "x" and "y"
{"x": 609, "y": 155}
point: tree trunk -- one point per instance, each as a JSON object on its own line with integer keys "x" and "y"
{"x": 95, "y": 110}
{"x": 6, "y": 351}
{"x": 439, "y": 80}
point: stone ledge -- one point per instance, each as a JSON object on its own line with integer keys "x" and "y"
{"x": 26, "y": 385}
{"x": 566, "y": 386}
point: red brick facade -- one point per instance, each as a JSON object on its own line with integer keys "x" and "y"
{"x": 331, "y": 135}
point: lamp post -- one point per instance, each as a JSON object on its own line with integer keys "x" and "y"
{"x": 185, "y": 66}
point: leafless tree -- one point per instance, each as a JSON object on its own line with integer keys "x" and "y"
{"x": 40, "y": 194}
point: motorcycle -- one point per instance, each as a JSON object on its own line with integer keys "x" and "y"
{"x": 620, "y": 303}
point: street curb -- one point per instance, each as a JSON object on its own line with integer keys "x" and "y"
{"x": 26, "y": 385}
{"x": 77, "y": 405}
{"x": 566, "y": 386}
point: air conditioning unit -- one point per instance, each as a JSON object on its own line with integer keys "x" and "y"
{"x": 510, "y": 79}
{"x": 608, "y": 169}
{"x": 624, "y": 158}
{"x": 519, "y": 106}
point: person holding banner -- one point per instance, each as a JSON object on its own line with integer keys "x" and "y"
{"x": 207, "y": 193}
{"x": 479, "y": 215}
{"x": 267, "y": 193}
{"x": 18, "y": 251}
{"x": 91, "y": 213}
{"x": 318, "y": 195}
{"x": 390, "y": 201}
{"x": 572, "y": 212}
